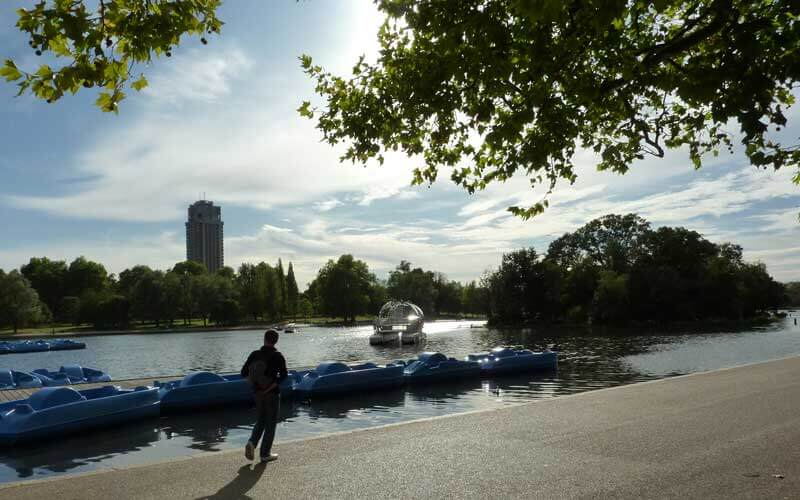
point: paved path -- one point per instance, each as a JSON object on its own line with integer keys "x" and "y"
{"x": 722, "y": 434}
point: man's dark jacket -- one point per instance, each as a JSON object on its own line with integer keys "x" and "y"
{"x": 274, "y": 364}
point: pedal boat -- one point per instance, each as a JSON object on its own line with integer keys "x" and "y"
{"x": 334, "y": 378}
{"x": 435, "y": 366}
{"x": 13, "y": 379}
{"x": 65, "y": 345}
{"x": 54, "y": 411}
{"x": 502, "y": 360}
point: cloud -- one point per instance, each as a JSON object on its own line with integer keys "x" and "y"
{"x": 194, "y": 76}
{"x": 327, "y": 205}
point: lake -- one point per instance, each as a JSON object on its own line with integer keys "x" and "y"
{"x": 588, "y": 359}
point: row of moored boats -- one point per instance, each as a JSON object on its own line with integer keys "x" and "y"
{"x": 41, "y": 377}
{"x": 23, "y": 346}
{"x": 56, "y": 410}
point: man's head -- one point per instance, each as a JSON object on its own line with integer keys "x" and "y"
{"x": 270, "y": 337}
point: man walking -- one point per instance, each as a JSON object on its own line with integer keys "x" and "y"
{"x": 265, "y": 369}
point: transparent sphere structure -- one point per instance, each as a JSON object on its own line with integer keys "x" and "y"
{"x": 400, "y": 315}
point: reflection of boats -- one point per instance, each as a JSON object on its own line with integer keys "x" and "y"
{"x": 76, "y": 451}
{"x": 332, "y": 377}
{"x": 343, "y": 407}
{"x": 504, "y": 360}
{"x": 54, "y": 411}
{"x": 398, "y": 321}
{"x": 12, "y": 379}
{"x": 435, "y": 366}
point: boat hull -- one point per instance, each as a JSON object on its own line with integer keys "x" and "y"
{"x": 508, "y": 361}
{"x": 24, "y": 420}
{"x": 343, "y": 379}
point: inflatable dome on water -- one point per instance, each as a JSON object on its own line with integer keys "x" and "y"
{"x": 398, "y": 321}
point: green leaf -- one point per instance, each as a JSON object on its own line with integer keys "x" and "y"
{"x": 9, "y": 71}
{"x": 140, "y": 83}
{"x": 305, "y": 110}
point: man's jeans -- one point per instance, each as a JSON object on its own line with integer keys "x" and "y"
{"x": 267, "y": 407}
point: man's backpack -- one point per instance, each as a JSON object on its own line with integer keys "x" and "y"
{"x": 257, "y": 377}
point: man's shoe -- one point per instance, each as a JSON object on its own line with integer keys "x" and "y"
{"x": 269, "y": 458}
{"x": 249, "y": 451}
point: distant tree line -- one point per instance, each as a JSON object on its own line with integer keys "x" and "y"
{"x": 83, "y": 292}
{"x": 614, "y": 269}
{"x": 617, "y": 268}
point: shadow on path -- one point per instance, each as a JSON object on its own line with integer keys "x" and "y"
{"x": 238, "y": 487}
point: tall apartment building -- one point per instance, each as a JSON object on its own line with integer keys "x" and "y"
{"x": 204, "y": 235}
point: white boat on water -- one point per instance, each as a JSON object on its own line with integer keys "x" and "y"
{"x": 398, "y": 322}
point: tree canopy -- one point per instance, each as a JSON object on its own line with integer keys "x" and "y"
{"x": 491, "y": 88}
{"x": 101, "y": 43}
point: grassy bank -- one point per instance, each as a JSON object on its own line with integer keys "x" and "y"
{"x": 195, "y": 325}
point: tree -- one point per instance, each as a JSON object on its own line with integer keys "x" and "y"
{"x": 84, "y": 275}
{"x": 280, "y": 285}
{"x": 19, "y": 302}
{"x": 251, "y": 290}
{"x": 414, "y": 285}
{"x": 191, "y": 267}
{"x": 612, "y": 242}
{"x": 494, "y": 88}
{"x": 48, "y": 278}
{"x": 100, "y": 43}
{"x": 344, "y": 287}
{"x": 793, "y": 293}
{"x": 291, "y": 292}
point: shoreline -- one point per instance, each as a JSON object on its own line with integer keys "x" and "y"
{"x": 654, "y": 439}
{"x": 301, "y": 323}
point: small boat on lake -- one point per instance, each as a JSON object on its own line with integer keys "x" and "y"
{"x": 333, "y": 378}
{"x": 55, "y": 411}
{"x": 24, "y": 346}
{"x": 502, "y": 360}
{"x": 65, "y": 345}
{"x": 13, "y": 379}
{"x": 435, "y": 366}
{"x": 51, "y": 379}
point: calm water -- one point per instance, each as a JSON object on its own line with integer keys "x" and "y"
{"x": 587, "y": 360}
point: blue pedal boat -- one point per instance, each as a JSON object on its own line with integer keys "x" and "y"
{"x": 78, "y": 374}
{"x": 503, "y": 360}
{"x": 65, "y": 345}
{"x": 29, "y": 346}
{"x": 54, "y": 411}
{"x": 5, "y": 347}
{"x": 203, "y": 389}
{"x": 435, "y": 366}
{"x": 13, "y": 379}
{"x": 330, "y": 378}
{"x": 71, "y": 374}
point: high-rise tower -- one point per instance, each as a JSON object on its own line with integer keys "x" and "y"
{"x": 204, "y": 235}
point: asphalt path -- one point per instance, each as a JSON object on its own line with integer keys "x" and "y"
{"x": 731, "y": 433}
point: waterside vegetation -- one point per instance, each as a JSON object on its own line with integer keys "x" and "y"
{"x": 613, "y": 270}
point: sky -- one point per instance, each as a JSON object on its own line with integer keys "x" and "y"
{"x": 220, "y": 122}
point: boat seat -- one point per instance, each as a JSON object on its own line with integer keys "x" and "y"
{"x": 54, "y": 396}
{"x": 432, "y": 358}
{"x": 331, "y": 367}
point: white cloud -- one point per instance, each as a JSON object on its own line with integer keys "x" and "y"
{"x": 196, "y": 75}
{"x": 327, "y": 205}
